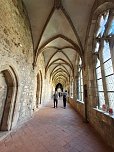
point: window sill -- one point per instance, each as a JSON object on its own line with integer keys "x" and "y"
{"x": 105, "y": 113}
{"x": 80, "y": 101}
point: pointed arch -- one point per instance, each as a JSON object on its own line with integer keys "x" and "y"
{"x": 58, "y": 79}
{"x": 73, "y": 28}
{"x": 62, "y": 48}
{"x": 58, "y": 36}
{"x": 61, "y": 66}
{"x": 8, "y": 104}
{"x": 40, "y": 50}
{"x": 47, "y": 21}
{"x": 58, "y": 6}
{"x": 60, "y": 75}
{"x": 39, "y": 89}
{"x": 72, "y": 69}
{"x": 55, "y": 54}
{"x": 59, "y": 70}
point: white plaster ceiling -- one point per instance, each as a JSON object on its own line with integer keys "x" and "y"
{"x": 38, "y": 12}
{"x": 58, "y": 32}
{"x": 59, "y": 42}
{"x": 55, "y": 27}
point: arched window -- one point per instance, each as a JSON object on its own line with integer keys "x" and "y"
{"x": 71, "y": 89}
{"x": 80, "y": 82}
{"x": 104, "y": 66}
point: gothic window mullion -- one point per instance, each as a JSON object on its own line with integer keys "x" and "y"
{"x": 96, "y": 57}
{"x": 103, "y": 77}
{"x": 111, "y": 45}
{"x": 75, "y": 87}
{"x": 111, "y": 39}
{"x": 80, "y": 83}
{"x": 82, "y": 86}
{"x": 97, "y": 93}
{"x": 99, "y": 80}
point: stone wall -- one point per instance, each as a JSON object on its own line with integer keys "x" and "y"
{"x": 101, "y": 122}
{"x": 78, "y": 106}
{"x": 46, "y": 85}
{"x": 16, "y": 50}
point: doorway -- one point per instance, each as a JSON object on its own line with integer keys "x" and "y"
{"x": 8, "y": 92}
{"x": 59, "y": 89}
{"x": 39, "y": 89}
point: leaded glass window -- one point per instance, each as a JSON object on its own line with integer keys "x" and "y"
{"x": 100, "y": 84}
{"x": 104, "y": 66}
{"x": 71, "y": 89}
{"x": 111, "y": 30}
{"x": 80, "y": 82}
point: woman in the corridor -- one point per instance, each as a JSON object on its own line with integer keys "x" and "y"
{"x": 64, "y": 98}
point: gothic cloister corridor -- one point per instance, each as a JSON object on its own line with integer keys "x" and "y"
{"x": 54, "y": 130}
{"x": 51, "y": 49}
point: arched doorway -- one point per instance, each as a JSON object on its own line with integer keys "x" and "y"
{"x": 39, "y": 89}
{"x": 59, "y": 88}
{"x": 8, "y": 92}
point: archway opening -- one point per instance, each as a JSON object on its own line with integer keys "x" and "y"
{"x": 7, "y": 99}
{"x": 39, "y": 89}
{"x": 59, "y": 88}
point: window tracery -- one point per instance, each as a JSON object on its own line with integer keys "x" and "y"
{"x": 80, "y": 82}
{"x": 104, "y": 63}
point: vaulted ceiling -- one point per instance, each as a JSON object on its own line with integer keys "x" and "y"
{"x": 59, "y": 31}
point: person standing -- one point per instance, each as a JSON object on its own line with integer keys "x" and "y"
{"x": 55, "y": 99}
{"x": 64, "y": 98}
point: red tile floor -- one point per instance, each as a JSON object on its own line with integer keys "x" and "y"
{"x": 54, "y": 130}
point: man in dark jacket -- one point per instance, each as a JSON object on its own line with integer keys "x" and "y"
{"x": 55, "y": 99}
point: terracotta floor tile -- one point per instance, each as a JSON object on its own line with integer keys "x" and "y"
{"x": 54, "y": 130}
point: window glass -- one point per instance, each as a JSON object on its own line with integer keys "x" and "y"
{"x": 98, "y": 73}
{"x": 106, "y": 51}
{"x": 105, "y": 61}
{"x": 102, "y": 23}
{"x": 108, "y": 67}
{"x": 101, "y": 99}
{"x": 100, "y": 85}
{"x": 111, "y": 100}
{"x": 111, "y": 30}
{"x": 80, "y": 82}
{"x": 110, "y": 83}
